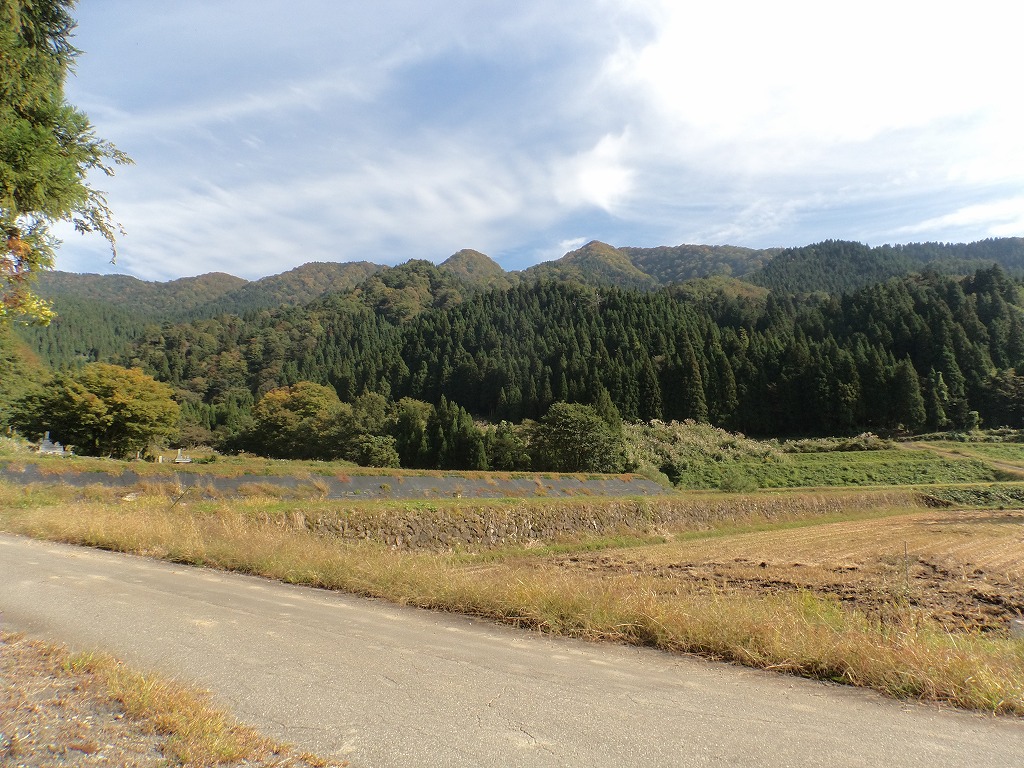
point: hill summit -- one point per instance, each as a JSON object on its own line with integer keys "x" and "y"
{"x": 595, "y": 263}
{"x": 477, "y": 270}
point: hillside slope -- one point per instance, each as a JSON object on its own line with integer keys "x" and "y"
{"x": 675, "y": 264}
{"x": 175, "y": 298}
{"x": 596, "y": 263}
{"x": 478, "y": 271}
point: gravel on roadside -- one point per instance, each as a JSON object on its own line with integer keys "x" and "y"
{"x": 52, "y": 714}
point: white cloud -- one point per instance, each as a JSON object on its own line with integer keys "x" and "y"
{"x": 388, "y": 207}
{"x": 596, "y": 177}
{"x": 824, "y": 95}
{"x": 999, "y": 218}
{"x": 798, "y": 70}
{"x": 412, "y": 129}
{"x": 575, "y": 243}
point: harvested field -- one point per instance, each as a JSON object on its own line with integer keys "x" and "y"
{"x": 965, "y": 569}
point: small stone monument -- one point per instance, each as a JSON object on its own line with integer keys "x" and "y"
{"x": 50, "y": 448}
{"x": 181, "y": 458}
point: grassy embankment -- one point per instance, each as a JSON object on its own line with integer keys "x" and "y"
{"x": 702, "y": 456}
{"x": 868, "y": 468}
{"x": 805, "y": 630}
{"x": 17, "y": 456}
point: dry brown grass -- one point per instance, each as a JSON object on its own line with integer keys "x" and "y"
{"x": 990, "y": 540}
{"x": 57, "y": 705}
{"x": 962, "y": 570}
{"x": 903, "y": 652}
{"x": 197, "y": 733}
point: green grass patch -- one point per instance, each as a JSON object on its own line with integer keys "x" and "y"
{"x": 1012, "y": 453}
{"x": 869, "y": 468}
{"x": 997, "y": 496}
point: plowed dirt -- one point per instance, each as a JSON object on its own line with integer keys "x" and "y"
{"x": 963, "y": 569}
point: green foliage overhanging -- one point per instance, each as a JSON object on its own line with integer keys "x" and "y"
{"x": 47, "y": 149}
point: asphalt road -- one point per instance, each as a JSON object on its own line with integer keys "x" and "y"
{"x": 388, "y": 686}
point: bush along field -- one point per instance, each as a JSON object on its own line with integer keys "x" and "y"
{"x": 700, "y": 456}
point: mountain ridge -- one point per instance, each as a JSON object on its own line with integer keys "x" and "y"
{"x": 831, "y": 266}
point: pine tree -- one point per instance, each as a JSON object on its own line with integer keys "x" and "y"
{"x": 936, "y": 399}
{"x": 47, "y": 148}
{"x": 908, "y": 408}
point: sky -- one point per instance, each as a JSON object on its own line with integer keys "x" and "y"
{"x": 268, "y": 134}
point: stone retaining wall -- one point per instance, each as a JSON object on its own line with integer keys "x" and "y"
{"x": 437, "y": 511}
{"x": 446, "y": 527}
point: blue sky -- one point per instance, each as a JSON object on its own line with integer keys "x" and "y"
{"x": 268, "y": 134}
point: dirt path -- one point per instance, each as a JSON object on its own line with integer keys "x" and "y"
{"x": 1014, "y": 470}
{"x": 388, "y": 686}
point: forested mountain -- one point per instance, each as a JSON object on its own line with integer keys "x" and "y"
{"x": 85, "y": 330}
{"x": 478, "y": 271}
{"x": 835, "y": 265}
{"x": 962, "y": 258}
{"x": 595, "y": 263}
{"x": 669, "y": 265}
{"x": 913, "y": 353}
{"x": 400, "y": 293}
{"x": 22, "y": 371}
{"x": 292, "y": 288}
{"x": 800, "y": 353}
{"x": 99, "y": 315}
{"x": 170, "y": 300}
{"x": 830, "y": 266}
{"x": 206, "y": 295}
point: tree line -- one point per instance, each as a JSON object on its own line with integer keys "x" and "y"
{"x": 917, "y": 353}
{"x": 405, "y": 372}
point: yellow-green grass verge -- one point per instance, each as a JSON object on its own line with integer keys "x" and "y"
{"x": 197, "y": 733}
{"x": 905, "y": 655}
{"x": 1010, "y": 453}
{"x": 193, "y": 733}
{"x": 1005, "y": 459}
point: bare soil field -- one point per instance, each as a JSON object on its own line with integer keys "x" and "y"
{"x": 965, "y": 569}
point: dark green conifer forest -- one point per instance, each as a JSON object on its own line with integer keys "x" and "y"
{"x": 411, "y": 363}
